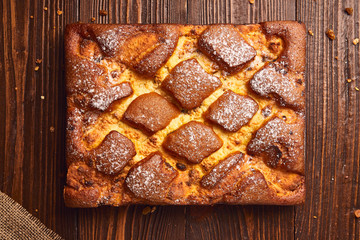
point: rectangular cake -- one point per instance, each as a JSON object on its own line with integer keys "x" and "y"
{"x": 185, "y": 114}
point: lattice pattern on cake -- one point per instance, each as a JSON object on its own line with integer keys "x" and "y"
{"x": 184, "y": 114}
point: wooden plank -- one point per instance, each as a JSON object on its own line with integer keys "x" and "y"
{"x": 244, "y": 222}
{"x": 3, "y": 97}
{"x": 109, "y": 223}
{"x": 32, "y": 169}
{"x": 166, "y": 222}
{"x": 102, "y": 223}
{"x": 239, "y": 222}
{"x": 333, "y": 123}
{"x": 209, "y": 12}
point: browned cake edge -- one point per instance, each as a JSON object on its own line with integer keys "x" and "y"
{"x": 83, "y": 194}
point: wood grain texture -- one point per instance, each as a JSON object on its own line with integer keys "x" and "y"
{"x": 332, "y": 123}
{"x": 32, "y": 166}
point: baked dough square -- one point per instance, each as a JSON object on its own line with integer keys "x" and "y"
{"x": 185, "y": 114}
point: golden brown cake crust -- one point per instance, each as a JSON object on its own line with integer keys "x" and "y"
{"x": 185, "y": 114}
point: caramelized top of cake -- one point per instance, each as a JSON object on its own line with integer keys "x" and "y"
{"x": 185, "y": 114}
{"x": 190, "y": 84}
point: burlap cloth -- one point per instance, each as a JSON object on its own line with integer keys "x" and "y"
{"x": 17, "y": 223}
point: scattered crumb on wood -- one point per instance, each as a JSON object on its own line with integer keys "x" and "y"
{"x": 52, "y": 129}
{"x": 45, "y": 8}
{"x": 36, "y": 210}
{"x": 146, "y": 210}
{"x": 330, "y": 33}
{"x": 348, "y": 80}
{"x": 103, "y": 12}
{"x": 153, "y": 209}
{"x": 31, "y": 16}
{"x": 93, "y": 19}
{"x": 336, "y": 57}
{"x": 59, "y": 12}
{"x": 42, "y": 97}
{"x": 315, "y": 217}
{"x": 311, "y": 33}
{"x": 356, "y": 88}
{"x": 349, "y": 11}
{"x": 16, "y": 88}
{"x": 36, "y": 68}
{"x": 251, "y": 1}
{"x": 357, "y": 213}
{"x": 38, "y": 61}
{"x": 355, "y": 41}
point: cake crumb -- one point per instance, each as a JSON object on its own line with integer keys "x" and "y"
{"x": 42, "y": 97}
{"x": 251, "y": 1}
{"x": 349, "y": 11}
{"x": 336, "y": 57}
{"x": 103, "y": 12}
{"x": 356, "y": 88}
{"x": 16, "y": 88}
{"x": 38, "y": 61}
{"x": 153, "y": 209}
{"x": 59, "y": 12}
{"x": 315, "y": 217}
{"x": 330, "y": 33}
{"x": 93, "y": 19}
{"x": 52, "y": 129}
{"x": 36, "y": 68}
{"x": 357, "y": 213}
{"x": 355, "y": 41}
{"x": 348, "y": 80}
{"x": 45, "y": 8}
{"x": 310, "y": 32}
{"x": 146, "y": 210}
{"x": 31, "y": 16}
{"x": 36, "y": 210}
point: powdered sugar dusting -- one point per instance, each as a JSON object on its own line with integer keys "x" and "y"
{"x": 92, "y": 80}
{"x": 225, "y": 45}
{"x": 280, "y": 141}
{"x": 154, "y": 60}
{"x": 105, "y": 96}
{"x": 269, "y": 81}
{"x": 232, "y": 111}
{"x": 117, "y": 41}
{"x": 190, "y": 84}
{"x": 271, "y": 133}
{"x": 253, "y": 188}
{"x": 109, "y": 41}
{"x": 150, "y": 179}
{"x": 84, "y": 74}
{"x": 113, "y": 153}
{"x": 221, "y": 170}
{"x": 74, "y": 150}
{"x": 193, "y": 141}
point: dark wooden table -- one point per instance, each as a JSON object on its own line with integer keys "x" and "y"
{"x": 32, "y": 120}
